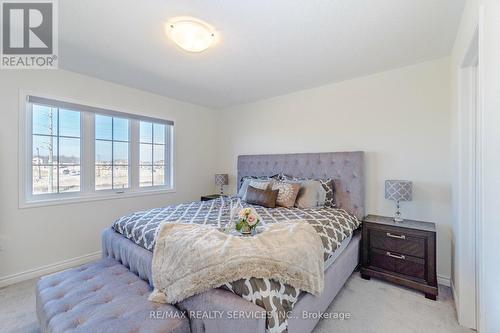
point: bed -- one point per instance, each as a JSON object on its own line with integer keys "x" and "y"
{"x": 131, "y": 239}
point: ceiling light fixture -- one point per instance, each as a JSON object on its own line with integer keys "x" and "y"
{"x": 190, "y": 34}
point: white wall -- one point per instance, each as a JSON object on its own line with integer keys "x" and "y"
{"x": 36, "y": 237}
{"x": 400, "y": 118}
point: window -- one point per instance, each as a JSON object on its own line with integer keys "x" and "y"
{"x": 56, "y": 150}
{"x": 111, "y": 152}
{"x": 75, "y": 151}
{"x": 152, "y": 158}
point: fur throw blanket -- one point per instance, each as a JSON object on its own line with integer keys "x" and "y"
{"x": 189, "y": 259}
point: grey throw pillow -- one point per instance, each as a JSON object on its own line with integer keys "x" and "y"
{"x": 311, "y": 194}
{"x": 328, "y": 184}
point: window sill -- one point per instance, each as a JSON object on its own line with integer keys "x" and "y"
{"x": 93, "y": 197}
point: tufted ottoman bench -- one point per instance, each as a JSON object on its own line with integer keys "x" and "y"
{"x": 103, "y": 297}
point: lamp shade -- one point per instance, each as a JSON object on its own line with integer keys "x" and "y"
{"x": 221, "y": 179}
{"x": 398, "y": 190}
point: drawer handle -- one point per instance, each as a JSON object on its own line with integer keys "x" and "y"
{"x": 402, "y": 257}
{"x": 396, "y": 236}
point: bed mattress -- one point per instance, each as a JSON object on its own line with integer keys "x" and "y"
{"x": 332, "y": 224}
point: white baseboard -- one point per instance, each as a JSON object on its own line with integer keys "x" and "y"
{"x": 464, "y": 316}
{"x": 444, "y": 280}
{"x": 47, "y": 269}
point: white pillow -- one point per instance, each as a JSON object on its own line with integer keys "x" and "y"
{"x": 243, "y": 188}
{"x": 246, "y": 182}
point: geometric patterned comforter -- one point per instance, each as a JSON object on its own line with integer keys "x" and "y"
{"x": 333, "y": 226}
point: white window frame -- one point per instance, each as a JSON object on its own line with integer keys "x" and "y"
{"x": 87, "y": 157}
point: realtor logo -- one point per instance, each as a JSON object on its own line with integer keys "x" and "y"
{"x": 29, "y": 34}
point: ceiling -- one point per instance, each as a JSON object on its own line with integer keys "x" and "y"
{"x": 265, "y": 48}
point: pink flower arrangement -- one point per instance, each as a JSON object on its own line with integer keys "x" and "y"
{"x": 248, "y": 220}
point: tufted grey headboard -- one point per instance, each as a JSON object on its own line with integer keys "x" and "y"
{"x": 346, "y": 168}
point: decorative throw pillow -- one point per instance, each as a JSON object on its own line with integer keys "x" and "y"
{"x": 273, "y": 177}
{"x": 329, "y": 187}
{"x": 265, "y": 198}
{"x": 280, "y": 176}
{"x": 247, "y": 181}
{"x": 260, "y": 184}
{"x": 287, "y": 193}
{"x": 311, "y": 194}
{"x": 328, "y": 184}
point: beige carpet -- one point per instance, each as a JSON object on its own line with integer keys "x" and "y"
{"x": 374, "y": 306}
{"x": 380, "y": 307}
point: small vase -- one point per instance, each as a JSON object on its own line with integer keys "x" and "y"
{"x": 245, "y": 230}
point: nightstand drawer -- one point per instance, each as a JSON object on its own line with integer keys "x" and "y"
{"x": 398, "y": 263}
{"x": 399, "y": 242}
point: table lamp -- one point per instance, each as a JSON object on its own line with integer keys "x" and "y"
{"x": 221, "y": 179}
{"x": 398, "y": 190}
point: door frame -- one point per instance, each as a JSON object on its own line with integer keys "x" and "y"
{"x": 469, "y": 193}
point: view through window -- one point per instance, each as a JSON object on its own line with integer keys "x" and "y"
{"x": 56, "y": 150}
{"x": 152, "y": 159}
{"x": 123, "y": 152}
{"x": 111, "y": 153}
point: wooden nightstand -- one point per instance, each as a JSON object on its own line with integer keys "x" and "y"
{"x": 210, "y": 197}
{"x": 402, "y": 253}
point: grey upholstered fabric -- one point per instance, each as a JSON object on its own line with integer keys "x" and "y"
{"x": 227, "y": 306}
{"x": 116, "y": 246}
{"x": 335, "y": 277}
{"x": 346, "y": 168}
{"x": 103, "y": 297}
{"x": 135, "y": 258}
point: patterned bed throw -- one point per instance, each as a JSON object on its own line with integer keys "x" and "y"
{"x": 332, "y": 225}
